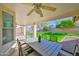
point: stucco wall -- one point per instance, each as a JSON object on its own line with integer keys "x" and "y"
{"x": 0, "y": 27}
{"x": 10, "y": 11}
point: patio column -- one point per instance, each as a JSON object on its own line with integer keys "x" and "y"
{"x": 25, "y": 32}
{"x": 35, "y": 30}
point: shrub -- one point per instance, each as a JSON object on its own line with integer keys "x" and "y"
{"x": 46, "y": 28}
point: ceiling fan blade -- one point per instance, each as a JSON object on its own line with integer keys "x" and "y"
{"x": 48, "y": 8}
{"x": 38, "y": 11}
{"x": 41, "y": 14}
{"x": 30, "y": 12}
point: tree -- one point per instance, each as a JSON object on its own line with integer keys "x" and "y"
{"x": 66, "y": 24}
{"x": 46, "y": 28}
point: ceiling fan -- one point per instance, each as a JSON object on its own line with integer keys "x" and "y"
{"x": 37, "y": 7}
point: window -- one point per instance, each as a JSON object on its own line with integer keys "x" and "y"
{"x": 7, "y": 27}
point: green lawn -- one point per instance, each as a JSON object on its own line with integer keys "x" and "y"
{"x": 54, "y": 36}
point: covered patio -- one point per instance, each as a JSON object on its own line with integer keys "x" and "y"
{"x": 21, "y": 24}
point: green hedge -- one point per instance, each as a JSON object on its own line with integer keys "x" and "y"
{"x": 54, "y": 36}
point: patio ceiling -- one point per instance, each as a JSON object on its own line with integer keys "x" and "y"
{"x": 63, "y": 10}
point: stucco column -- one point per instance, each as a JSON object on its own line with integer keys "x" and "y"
{"x": 25, "y": 32}
{"x": 35, "y": 30}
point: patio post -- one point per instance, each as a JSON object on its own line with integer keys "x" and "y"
{"x": 25, "y": 32}
{"x": 35, "y": 30}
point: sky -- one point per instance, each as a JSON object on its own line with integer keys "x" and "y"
{"x": 54, "y": 22}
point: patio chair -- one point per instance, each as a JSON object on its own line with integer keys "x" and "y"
{"x": 67, "y": 53}
{"x": 76, "y": 50}
{"x": 24, "y": 48}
